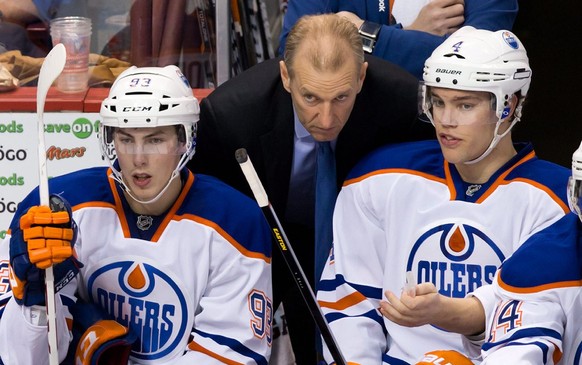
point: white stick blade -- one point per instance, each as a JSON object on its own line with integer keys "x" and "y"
{"x": 51, "y": 68}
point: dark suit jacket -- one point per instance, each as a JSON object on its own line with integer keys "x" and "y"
{"x": 254, "y": 111}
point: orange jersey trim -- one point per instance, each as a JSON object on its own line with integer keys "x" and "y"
{"x": 393, "y": 171}
{"x": 538, "y": 288}
{"x": 345, "y": 302}
{"x": 225, "y": 235}
{"x": 198, "y": 348}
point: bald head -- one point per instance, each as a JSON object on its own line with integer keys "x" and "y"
{"x": 326, "y": 41}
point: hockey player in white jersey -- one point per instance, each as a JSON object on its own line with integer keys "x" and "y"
{"x": 535, "y": 314}
{"x": 538, "y": 314}
{"x": 449, "y": 211}
{"x": 174, "y": 267}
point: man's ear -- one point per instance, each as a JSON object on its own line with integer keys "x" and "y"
{"x": 362, "y": 76}
{"x": 284, "y": 75}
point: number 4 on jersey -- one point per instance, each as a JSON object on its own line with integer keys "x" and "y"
{"x": 507, "y": 317}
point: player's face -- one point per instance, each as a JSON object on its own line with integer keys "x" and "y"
{"x": 147, "y": 157}
{"x": 464, "y": 122}
{"x": 323, "y": 100}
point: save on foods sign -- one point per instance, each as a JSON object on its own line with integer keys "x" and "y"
{"x": 71, "y": 144}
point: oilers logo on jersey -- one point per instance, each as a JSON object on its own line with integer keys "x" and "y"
{"x": 457, "y": 258}
{"x": 148, "y": 300}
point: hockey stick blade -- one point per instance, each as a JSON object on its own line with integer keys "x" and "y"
{"x": 288, "y": 255}
{"x": 51, "y": 68}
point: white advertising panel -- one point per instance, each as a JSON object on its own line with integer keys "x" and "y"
{"x": 71, "y": 144}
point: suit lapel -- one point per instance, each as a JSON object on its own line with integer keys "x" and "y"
{"x": 277, "y": 150}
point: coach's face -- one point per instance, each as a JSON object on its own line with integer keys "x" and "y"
{"x": 323, "y": 100}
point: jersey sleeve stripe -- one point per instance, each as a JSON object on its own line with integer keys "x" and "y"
{"x": 538, "y": 288}
{"x": 196, "y": 347}
{"x": 344, "y": 302}
{"x": 331, "y": 285}
{"x": 373, "y": 315}
{"x": 525, "y": 333}
{"x": 228, "y": 342}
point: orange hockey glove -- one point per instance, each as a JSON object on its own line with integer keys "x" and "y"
{"x": 444, "y": 357}
{"x": 43, "y": 238}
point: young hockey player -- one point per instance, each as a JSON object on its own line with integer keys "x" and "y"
{"x": 177, "y": 264}
{"x": 449, "y": 211}
{"x": 538, "y": 314}
{"x": 534, "y": 315}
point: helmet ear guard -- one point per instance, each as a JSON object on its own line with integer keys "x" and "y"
{"x": 575, "y": 183}
{"x": 505, "y": 112}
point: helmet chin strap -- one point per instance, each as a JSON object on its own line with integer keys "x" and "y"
{"x": 117, "y": 176}
{"x": 119, "y": 179}
{"x": 498, "y": 137}
{"x": 494, "y": 141}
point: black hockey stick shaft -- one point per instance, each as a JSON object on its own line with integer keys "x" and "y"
{"x": 288, "y": 254}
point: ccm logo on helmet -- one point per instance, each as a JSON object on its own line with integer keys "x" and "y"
{"x": 137, "y": 108}
{"x": 445, "y": 71}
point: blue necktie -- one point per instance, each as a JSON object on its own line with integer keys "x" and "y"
{"x": 325, "y": 195}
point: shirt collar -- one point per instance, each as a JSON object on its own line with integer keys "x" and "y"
{"x": 300, "y": 131}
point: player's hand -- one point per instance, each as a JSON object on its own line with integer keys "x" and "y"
{"x": 105, "y": 343}
{"x": 351, "y": 17}
{"x": 440, "y": 17}
{"x": 47, "y": 235}
{"x": 465, "y": 316}
{"x": 97, "y": 339}
{"x": 44, "y": 238}
{"x": 413, "y": 310}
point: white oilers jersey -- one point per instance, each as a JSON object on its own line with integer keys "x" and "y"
{"x": 403, "y": 208}
{"x": 194, "y": 284}
{"x": 538, "y": 317}
{"x": 5, "y": 293}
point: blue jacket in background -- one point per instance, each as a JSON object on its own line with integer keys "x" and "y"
{"x": 406, "y": 48}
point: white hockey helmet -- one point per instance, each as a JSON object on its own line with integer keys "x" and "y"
{"x": 146, "y": 97}
{"x": 480, "y": 60}
{"x": 575, "y": 183}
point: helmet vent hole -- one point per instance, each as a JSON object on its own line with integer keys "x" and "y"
{"x": 438, "y": 79}
{"x": 163, "y": 107}
{"x": 139, "y": 93}
{"x": 113, "y": 108}
{"x": 148, "y": 120}
{"x": 455, "y": 81}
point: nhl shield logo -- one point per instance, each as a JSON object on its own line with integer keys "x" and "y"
{"x": 144, "y": 222}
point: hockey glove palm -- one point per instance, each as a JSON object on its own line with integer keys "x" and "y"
{"x": 43, "y": 238}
